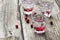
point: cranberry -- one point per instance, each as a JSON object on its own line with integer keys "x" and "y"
{"x": 26, "y": 18}
{"x": 27, "y": 21}
{"x": 39, "y": 28}
{"x": 16, "y": 26}
{"x": 31, "y": 25}
{"x": 51, "y": 23}
{"x": 42, "y": 28}
{"x": 48, "y": 12}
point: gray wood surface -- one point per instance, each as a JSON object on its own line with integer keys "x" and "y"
{"x": 9, "y": 17}
{"x": 52, "y": 32}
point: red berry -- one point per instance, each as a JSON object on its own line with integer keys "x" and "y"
{"x": 27, "y": 21}
{"x": 31, "y": 25}
{"x": 51, "y": 23}
{"x": 42, "y": 28}
{"x": 39, "y": 28}
{"x": 26, "y": 18}
{"x": 16, "y": 26}
{"x": 48, "y": 12}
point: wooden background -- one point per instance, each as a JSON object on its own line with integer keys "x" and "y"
{"x": 10, "y": 15}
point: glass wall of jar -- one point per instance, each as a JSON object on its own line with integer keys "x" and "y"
{"x": 38, "y": 22}
{"x": 47, "y": 6}
{"x": 28, "y": 6}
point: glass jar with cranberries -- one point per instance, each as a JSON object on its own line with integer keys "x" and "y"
{"x": 28, "y": 6}
{"x": 47, "y": 7}
{"x": 38, "y": 22}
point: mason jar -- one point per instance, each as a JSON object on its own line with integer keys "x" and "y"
{"x": 28, "y": 6}
{"x": 38, "y": 22}
{"x": 47, "y": 7}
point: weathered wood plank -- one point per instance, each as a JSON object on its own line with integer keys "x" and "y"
{"x": 51, "y": 31}
{"x": 9, "y": 18}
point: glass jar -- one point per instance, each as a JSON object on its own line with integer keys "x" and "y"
{"x": 47, "y": 7}
{"x": 28, "y": 6}
{"x": 38, "y": 22}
